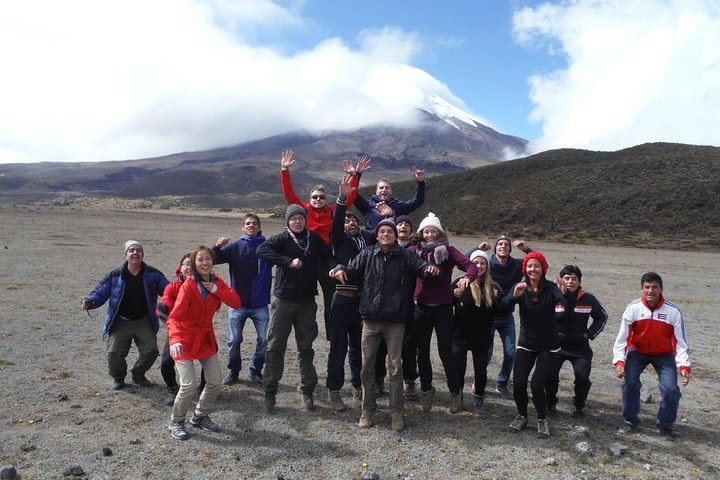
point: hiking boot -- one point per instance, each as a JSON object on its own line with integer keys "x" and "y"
{"x": 231, "y": 378}
{"x": 256, "y": 378}
{"x": 397, "y": 422}
{"x": 177, "y": 430}
{"x": 379, "y": 386}
{"x": 308, "y": 401}
{"x": 366, "y": 419}
{"x": 455, "y": 403}
{"x": 357, "y": 395}
{"x": 269, "y": 402}
{"x": 543, "y": 429}
{"x": 552, "y": 410}
{"x": 503, "y": 391}
{"x": 479, "y": 403}
{"x": 627, "y": 428}
{"x": 336, "y": 401}
{"x": 409, "y": 392}
{"x": 578, "y": 413}
{"x": 118, "y": 384}
{"x": 172, "y": 393}
{"x": 668, "y": 433}
{"x": 141, "y": 381}
{"x": 427, "y": 399}
{"x": 518, "y": 424}
{"x": 204, "y": 422}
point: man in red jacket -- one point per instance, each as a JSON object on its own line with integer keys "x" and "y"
{"x": 319, "y": 216}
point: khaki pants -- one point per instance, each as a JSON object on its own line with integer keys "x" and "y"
{"x": 118, "y": 347}
{"x": 188, "y": 385}
{"x": 372, "y": 334}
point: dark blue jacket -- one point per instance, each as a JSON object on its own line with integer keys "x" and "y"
{"x": 367, "y": 207}
{"x": 112, "y": 288}
{"x": 250, "y": 276}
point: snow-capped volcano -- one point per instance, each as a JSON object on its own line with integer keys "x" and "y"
{"x": 449, "y": 112}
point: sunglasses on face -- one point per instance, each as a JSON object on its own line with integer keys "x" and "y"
{"x": 318, "y": 197}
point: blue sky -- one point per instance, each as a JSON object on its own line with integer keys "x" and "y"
{"x": 467, "y": 44}
{"x": 94, "y": 80}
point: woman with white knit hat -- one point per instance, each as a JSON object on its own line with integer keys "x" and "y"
{"x": 434, "y": 308}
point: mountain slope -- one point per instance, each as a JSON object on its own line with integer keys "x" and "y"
{"x": 648, "y": 195}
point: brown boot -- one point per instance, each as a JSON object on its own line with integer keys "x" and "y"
{"x": 427, "y": 400}
{"x": 365, "y": 419}
{"x": 455, "y": 403}
{"x": 397, "y": 422}
{"x": 336, "y": 401}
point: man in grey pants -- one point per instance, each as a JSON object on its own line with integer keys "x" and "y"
{"x": 296, "y": 254}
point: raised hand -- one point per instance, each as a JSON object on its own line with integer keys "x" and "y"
{"x": 561, "y": 284}
{"x": 222, "y": 241}
{"x": 418, "y": 174}
{"x": 363, "y": 164}
{"x": 520, "y": 244}
{"x": 384, "y": 209}
{"x": 349, "y": 168}
{"x": 484, "y": 246}
{"x": 519, "y": 289}
{"x": 287, "y": 160}
{"x": 344, "y": 185}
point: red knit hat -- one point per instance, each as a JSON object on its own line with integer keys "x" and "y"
{"x": 537, "y": 256}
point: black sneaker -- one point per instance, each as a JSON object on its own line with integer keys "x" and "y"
{"x": 231, "y": 378}
{"x": 118, "y": 384}
{"x": 479, "y": 403}
{"x": 256, "y": 378}
{"x": 141, "y": 381}
{"x": 204, "y": 422}
{"x": 269, "y": 402}
{"x": 177, "y": 430}
{"x": 667, "y": 433}
{"x": 627, "y": 428}
{"x": 578, "y": 413}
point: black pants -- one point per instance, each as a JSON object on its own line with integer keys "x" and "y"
{"x": 524, "y": 362}
{"x": 440, "y": 319}
{"x": 167, "y": 366}
{"x": 327, "y": 285}
{"x": 410, "y": 349}
{"x": 475, "y": 338}
{"x": 580, "y": 357}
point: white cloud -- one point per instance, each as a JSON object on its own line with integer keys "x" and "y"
{"x": 639, "y": 71}
{"x": 90, "y": 80}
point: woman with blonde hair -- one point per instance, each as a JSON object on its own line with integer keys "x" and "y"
{"x": 191, "y": 337}
{"x": 474, "y": 310}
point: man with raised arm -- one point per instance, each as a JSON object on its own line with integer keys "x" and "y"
{"x": 383, "y": 197}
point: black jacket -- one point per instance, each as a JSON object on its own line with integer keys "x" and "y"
{"x": 573, "y": 326}
{"x": 388, "y": 282}
{"x": 281, "y": 249}
{"x": 538, "y": 316}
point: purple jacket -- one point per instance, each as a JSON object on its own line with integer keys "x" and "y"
{"x": 435, "y": 290}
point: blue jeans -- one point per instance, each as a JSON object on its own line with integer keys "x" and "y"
{"x": 345, "y": 330}
{"x": 664, "y": 365}
{"x": 236, "y": 324}
{"x": 505, "y": 326}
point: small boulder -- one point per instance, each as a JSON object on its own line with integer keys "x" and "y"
{"x": 550, "y": 461}
{"x": 107, "y": 452}
{"x": 73, "y": 471}
{"x": 583, "y": 448}
{"x": 618, "y": 449}
{"x": 8, "y": 472}
{"x": 370, "y": 476}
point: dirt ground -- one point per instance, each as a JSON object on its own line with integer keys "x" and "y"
{"x": 60, "y": 412}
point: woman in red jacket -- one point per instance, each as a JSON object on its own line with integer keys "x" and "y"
{"x": 191, "y": 336}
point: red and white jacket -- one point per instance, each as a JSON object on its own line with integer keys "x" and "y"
{"x": 652, "y": 332}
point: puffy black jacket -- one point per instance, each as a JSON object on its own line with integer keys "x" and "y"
{"x": 388, "y": 281}
{"x": 281, "y": 249}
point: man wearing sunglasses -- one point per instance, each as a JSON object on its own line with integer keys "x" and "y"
{"x": 319, "y": 216}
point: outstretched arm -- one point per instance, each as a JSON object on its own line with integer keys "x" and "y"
{"x": 287, "y": 160}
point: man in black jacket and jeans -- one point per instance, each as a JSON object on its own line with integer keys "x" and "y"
{"x": 296, "y": 253}
{"x": 387, "y": 273}
{"x": 575, "y": 336}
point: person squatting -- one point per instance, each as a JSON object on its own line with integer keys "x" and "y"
{"x": 385, "y": 291}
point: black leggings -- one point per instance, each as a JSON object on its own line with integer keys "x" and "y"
{"x": 440, "y": 319}
{"x": 524, "y": 362}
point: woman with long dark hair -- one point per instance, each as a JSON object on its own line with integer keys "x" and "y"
{"x": 541, "y": 303}
{"x": 191, "y": 337}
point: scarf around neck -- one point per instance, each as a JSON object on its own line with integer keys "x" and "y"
{"x": 435, "y": 253}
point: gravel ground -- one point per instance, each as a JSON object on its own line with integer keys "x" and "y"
{"x": 59, "y": 411}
